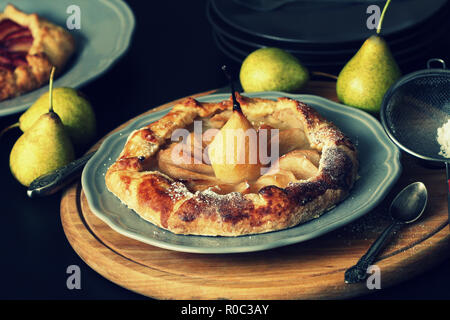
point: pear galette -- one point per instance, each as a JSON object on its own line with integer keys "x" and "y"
{"x": 187, "y": 186}
{"x": 29, "y": 47}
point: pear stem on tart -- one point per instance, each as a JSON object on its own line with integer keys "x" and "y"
{"x": 236, "y": 104}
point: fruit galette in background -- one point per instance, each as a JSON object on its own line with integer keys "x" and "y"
{"x": 29, "y": 47}
{"x": 190, "y": 188}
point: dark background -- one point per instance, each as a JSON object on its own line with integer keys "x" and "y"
{"x": 172, "y": 55}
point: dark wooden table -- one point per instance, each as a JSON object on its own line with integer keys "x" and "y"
{"x": 172, "y": 55}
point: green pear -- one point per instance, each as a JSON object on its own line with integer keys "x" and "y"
{"x": 365, "y": 79}
{"x": 74, "y": 110}
{"x": 44, "y": 147}
{"x": 272, "y": 69}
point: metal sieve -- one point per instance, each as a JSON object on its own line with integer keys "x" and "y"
{"x": 414, "y": 108}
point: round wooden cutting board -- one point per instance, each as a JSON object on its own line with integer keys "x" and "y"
{"x": 309, "y": 270}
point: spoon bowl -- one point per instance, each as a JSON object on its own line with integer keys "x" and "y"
{"x": 410, "y": 203}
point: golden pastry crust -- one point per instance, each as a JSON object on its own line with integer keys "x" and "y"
{"x": 51, "y": 46}
{"x": 169, "y": 203}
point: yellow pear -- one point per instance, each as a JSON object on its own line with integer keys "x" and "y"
{"x": 75, "y": 111}
{"x": 272, "y": 69}
{"x": 365, "y": 79}
{"x": 72, "y": 107}
{"x": 41, "y": 149}
{"x": 44, "y": 147}
{"x": 233, "y": 153}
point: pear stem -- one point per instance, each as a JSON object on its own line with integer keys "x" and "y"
{"x": 382, "y": 16}
{"x": 324, "y": 74}
{"x": 8, "y": 128}
{"x": 236, "y": 105}
{"x": 50, "y": 92}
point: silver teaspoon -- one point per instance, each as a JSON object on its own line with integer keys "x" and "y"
{"x": 407, "y": 207}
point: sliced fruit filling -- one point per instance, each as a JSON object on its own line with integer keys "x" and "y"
{"x": 296, "y": 162}
{"x": 15, "y": 41}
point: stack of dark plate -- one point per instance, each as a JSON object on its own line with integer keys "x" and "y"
{"x": 325, "y": 34}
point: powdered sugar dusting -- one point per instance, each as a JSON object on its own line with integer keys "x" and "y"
{"x": 178, "y": 190}
{"x": 211, "y": 197}
{"x": 443, "y": 137}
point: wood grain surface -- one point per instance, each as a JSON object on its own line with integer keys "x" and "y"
{"x": 309, "y": 270}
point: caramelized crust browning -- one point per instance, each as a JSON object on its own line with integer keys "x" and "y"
{"x": 172, "y": 205}
{"x": 27, "y": 62}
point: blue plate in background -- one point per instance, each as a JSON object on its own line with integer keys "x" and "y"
{"x": 379, "y": 169}
{"x": 104, "y": 36}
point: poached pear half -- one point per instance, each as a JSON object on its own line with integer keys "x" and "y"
{"x": 233, "y": 153}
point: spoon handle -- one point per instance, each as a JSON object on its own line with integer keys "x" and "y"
{"x": 358, "y": 272}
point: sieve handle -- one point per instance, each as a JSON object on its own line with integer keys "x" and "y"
{"x": 442, "y": 62}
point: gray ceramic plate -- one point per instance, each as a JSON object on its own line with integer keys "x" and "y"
{"x": 105, "y": 34}
{"x": 379, "y": 169}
